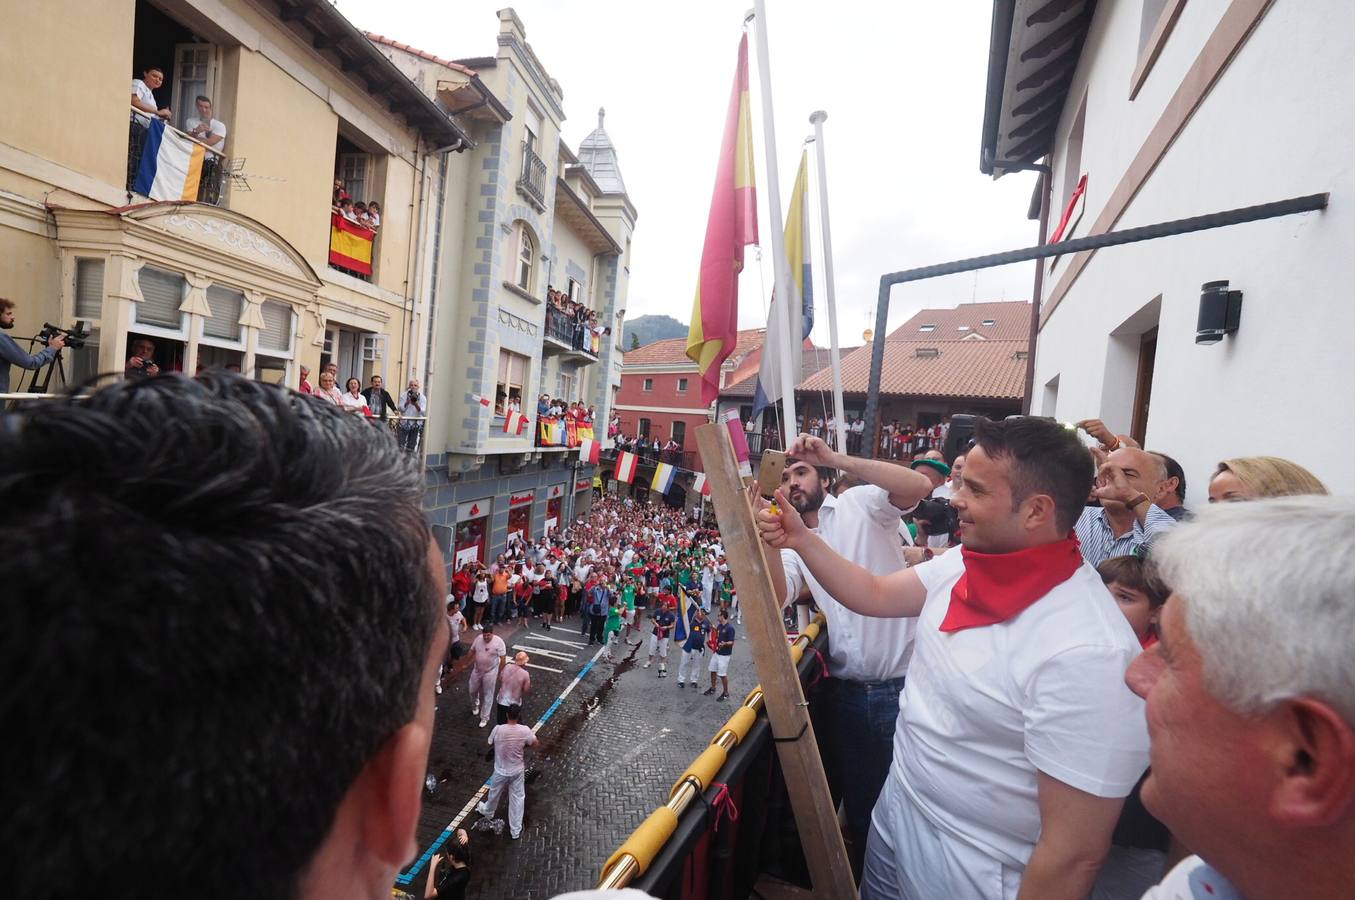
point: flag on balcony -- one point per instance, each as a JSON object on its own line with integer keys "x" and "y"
{"x": 514, "y": 422}
{"x": 625, "y": 467}
{"x": 589, "y": 451}
{"x": 1072, "y": 213}
{"x": 699, "y": 485}
{"x": 350, "y": 245}
{"x": 483, "y": 401}
{"x": 663, "y": 478}
{"x": 585, "y": 432}
{"x": 731, "y": 225}
{"x": 800, "y": 292}
{"x": 170, "y": 166}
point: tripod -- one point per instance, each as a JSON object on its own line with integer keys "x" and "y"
{"x": 41, "y": 378}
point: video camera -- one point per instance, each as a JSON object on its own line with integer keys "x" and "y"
{"x": 938, "y": 515}
{"x": 75, "y": 337}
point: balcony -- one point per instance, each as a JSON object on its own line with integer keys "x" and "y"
{"x": 532, "y": 181}
{"x": 569, "y": 336}
{"x": 201, "y": 177}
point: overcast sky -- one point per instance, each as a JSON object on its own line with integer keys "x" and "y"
{"x": 902, "y": 82}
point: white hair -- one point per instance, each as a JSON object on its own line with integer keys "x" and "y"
{"x": 1269, "y": 599}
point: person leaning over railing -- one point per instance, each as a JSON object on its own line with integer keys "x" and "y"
{"x": 413, "y": 412}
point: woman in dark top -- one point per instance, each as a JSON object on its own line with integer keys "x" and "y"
{"x": 449, "y": 874}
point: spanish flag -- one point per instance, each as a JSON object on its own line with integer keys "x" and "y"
{"x": 731, "y": 226}
{"x": 350, "y": 245}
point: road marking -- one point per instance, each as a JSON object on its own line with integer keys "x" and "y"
{"x": 545, "y": 668}
{"x": 541, "y": 637}
{"x": 549, "y": 654}
{"x": 407, "y": 878}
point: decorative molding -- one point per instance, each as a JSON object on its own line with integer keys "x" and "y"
{"x": 517, "y": 323}
{"x": 319, "y": 317}
{"x": 519, "y": 292}
{"x": 22, "y": 214}
{"x": 233, "y": 237}
{"x": 251, "y": 316}
{"x": 195, "y": 298}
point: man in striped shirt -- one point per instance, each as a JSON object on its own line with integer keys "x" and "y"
{"x": 1128, "y": 484}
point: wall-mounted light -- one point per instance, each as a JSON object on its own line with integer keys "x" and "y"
{"x": 1220, "y": 312}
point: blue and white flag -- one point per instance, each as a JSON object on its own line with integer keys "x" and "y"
{"x": 171, "y": 164}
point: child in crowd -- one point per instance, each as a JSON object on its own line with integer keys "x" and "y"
{"x": 1138, "y": 593}
{"x": 480, "y": 597}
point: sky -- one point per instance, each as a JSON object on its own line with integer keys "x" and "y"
{"x": 902, "y": 82}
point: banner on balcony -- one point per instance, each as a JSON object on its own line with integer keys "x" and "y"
{"x": 350, "y": 245}
{"x": 585, "y": 431}
{"x": 663, "y": 478}
{"x": 514, "y": 422}
{"x": 596, "y": 341}
{"x": 571, "y": 432}
{"x": 171, "y": 165}
{"x": 625, "y": 467}
{"x": 589, "y": 451}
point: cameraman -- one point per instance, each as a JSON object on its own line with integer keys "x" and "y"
{"x": 12, "y": 355}
{"x": 938, "y": 473}
{"x": 141, "y": 364}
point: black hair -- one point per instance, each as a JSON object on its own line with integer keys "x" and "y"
{"x": 1044, "y": 458}
{"x": 513, "y": 711}
{"x": 826, "y": 473}
{"x": 1137, "y": 574}
{"x": 219, "y": 607}
{"x": 203, "y": 98}
{"x": 1174, "y": 470}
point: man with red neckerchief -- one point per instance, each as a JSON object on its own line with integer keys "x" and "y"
{"x": 1017, "y": 739}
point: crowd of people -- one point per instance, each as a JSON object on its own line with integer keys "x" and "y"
{"x": 649, "y": 447}
{"x": 571, "y": 321}
{"x": 366, "y": 214}
{"x": 410, "y": 412}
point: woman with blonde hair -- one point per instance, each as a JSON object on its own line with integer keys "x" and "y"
{"x": 1255, "y": 477}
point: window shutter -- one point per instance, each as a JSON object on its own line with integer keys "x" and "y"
{"x": 224, "y": 322}
{"x": 89, "y": 288}
{"x": 161, "y": 294}
{"x": 277, "y": 326}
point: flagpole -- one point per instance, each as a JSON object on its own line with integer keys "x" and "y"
{"x": 784, "y": 321}
{"x": 834, "y": 356}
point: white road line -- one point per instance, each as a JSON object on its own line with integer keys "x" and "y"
{"x": 549, "y": 654}
{"x": 545, "y": 668}
{"x": 541, "y": 637}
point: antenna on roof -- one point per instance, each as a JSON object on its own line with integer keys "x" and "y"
{"x": 602, "y": 114}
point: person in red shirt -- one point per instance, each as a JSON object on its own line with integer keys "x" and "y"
{"x": 462, "y": 582}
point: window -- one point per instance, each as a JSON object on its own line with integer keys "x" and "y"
{"x": 224, "y": 322}
{"x": 644, "y": 428}
{"x": 649, "y": 384}
{"x": 277, "y": 327}
{"x": 352, "y": 172}
{"x": 1072, "y": 157}
{"x": 161, "y": 294}
{"x": 512, "y": 377}
{"x": 1157, "y": 18}
{"x": 682, "y": 385}
{"x": 1148, "y": 16}
{"x": 680, "y": 432}
{"x": 573, "y": 290}
{"x": 194, "y": 75}
{"x": 926, "y": 329}
{"x": 988, "y": 322}
{"x": 526, "y": 258}
{"x": 962, "y": 328}
{"x": 89, "y": 288}
{"x": 569, "y": 383}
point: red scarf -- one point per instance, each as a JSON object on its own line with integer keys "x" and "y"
{"x": 998, "y": 586}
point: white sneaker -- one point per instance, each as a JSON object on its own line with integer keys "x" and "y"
{"x": 646, "y": 665}
{"x": 439, "y": 687}
{"x": 484, "y": 722}
{"x": 480, "y": 808}
{"x": 475, "y": 710}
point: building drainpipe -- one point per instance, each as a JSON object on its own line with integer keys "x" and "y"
{"x": 1036, "y": 295}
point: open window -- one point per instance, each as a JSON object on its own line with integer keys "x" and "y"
{"x": 511, "y": 381}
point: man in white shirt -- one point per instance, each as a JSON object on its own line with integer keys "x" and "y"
{"x": 206, "y": 130}
{"x": 1017, "y": 740}
{"x": 867, "y": 657}
{"x": 143, "y": 96}
{"x": 510, "y": 769}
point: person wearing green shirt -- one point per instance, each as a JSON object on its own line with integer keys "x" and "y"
{"x": 612, "y": 628}
{"x": 628, "y": 613}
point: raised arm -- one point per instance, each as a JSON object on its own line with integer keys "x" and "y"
{"x": 899, "y": 594}
{"x": 905, "y": 487}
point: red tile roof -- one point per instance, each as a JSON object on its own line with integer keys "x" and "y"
{"x": 673, "y": 351}
{"x": 987, "y": 370}
{"x": 814, "y": 359}
{"x": 1011, "y": 322}
{"x": 414, "y": 51}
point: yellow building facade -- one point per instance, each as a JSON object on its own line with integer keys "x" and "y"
{"x": 240, "y": 274}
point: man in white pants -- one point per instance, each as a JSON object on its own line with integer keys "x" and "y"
{"x": 693, "y": 648}
{"x": 488, "y": 654}
{"x": 664, "y": 620}
{"x": 510, "y": 771}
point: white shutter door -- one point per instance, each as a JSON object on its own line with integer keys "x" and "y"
{"x": 161, "y": 294}
{"x": 277, "y": 326}
{"x": 224, "y": 322}
{"x": 89, "y": 288}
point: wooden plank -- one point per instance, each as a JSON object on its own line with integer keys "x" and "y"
{"x": 772, "y": 888}
{"x": 806, "y": 784}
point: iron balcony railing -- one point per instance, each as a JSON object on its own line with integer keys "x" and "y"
{"x": 214, "y": 166}
{"x": 533, "y": 179}
{"x": 566, "y": 329}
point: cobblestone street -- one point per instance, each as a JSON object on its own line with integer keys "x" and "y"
{"x": 608, "y": 754}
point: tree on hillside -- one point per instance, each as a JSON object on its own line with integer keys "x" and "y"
{"x": 634, "y": 341}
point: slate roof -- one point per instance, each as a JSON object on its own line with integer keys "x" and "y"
{"x": 598, "y": 156}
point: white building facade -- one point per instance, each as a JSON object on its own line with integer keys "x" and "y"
{"x": 1172, "y": 109}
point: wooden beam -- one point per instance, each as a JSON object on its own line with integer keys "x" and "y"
{"x": 806, "y": 784}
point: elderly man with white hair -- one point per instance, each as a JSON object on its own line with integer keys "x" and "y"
{"x": 1251, "y": 701}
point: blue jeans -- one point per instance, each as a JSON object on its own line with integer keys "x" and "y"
{"x": 859, "y": 719}
{"x": 498, "y": 608}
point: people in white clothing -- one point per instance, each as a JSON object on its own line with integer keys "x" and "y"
{"x": 143, "y": 96}
{"x": 509, "y": 741}
{"x": 1251, "y": 703}
{"x": 488, "y": 655}
{"x": 205, "y": 129}
{"x": 1017, "y": 740}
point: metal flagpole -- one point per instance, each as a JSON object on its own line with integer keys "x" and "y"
{"x": 834, "y": 357}
{"x": 784, "y": 321}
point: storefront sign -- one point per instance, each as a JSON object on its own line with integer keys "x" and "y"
{"x": 519, "y": 499}
{"x": 583, "y": 484}
{"x": 474, "y": 509}
{"x": 555, "y": 491}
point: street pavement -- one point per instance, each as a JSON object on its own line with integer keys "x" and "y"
{"x": 608, "y": 753}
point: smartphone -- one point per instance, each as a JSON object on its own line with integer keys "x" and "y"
{"x": 769, "y": 472}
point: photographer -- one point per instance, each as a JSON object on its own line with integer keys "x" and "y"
{"x": 141, "y": 364}
{"x": 413, "y": 411}
{"x": 935, "y": 519}
{"x": 12, "y": 355}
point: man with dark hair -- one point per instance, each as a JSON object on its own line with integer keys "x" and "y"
{"x": 1017, "y": 740}
{"x": 11, "y": 354}
{"x": 1172, "y": 497}
{"x": 379, "y": 400}
{"x": 509, "y": 740}
{"x": 868, "y": 657}
{"x": 143, "y": 97}
{"x": 247, "y": 717}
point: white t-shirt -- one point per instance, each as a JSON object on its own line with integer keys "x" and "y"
{"x": 214, "y": 126}
{"x": 487, "y": 652}
{"x": 862, "y": 525}
{"x": 457, "y": 623}
{"x": 985, "y": 708}
{"x": 145, "y": 95}
{"x": 509, "y": 741}
{"x": 351, "y": 402}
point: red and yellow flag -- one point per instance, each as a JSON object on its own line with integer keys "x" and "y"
{"x": 350, "y": 245}
{"x": 731, "y": 226}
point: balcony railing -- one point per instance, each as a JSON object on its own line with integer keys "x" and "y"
{"x": 568, "y": 330}
{"x": 212, "y": 175}
{"x": 532, "y": 182}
